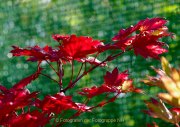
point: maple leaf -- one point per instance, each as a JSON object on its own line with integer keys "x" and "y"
{"x": 94, "y": 91}
{"x": 79, "y": 47}
{"x": 59, "y": 38}
{"x": 151, "y": 24}
{"x": 124, "y": 33}
{"x": 37, "y": 53}
{"x": 114, "y": 82}
{"x": 157, "y": 109}
{"x": 168, "y": 79}
{"x": 59, "y": 102}
{"x": 30, "y": 119}
{"x": 115, "y": 78}
{"x": 148, "y": 46}
{"x": 143, "y": 25}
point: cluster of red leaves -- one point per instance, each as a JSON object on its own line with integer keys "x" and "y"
{"x": 71, "y": 47}
{"x": 85, "y": 50}
{"x": 146, "y": 42}
{"x": 18, "y": 98}
{"x": 115, "y": 82}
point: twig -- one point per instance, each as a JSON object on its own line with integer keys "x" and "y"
{"x": 80, "y": 70}
{"x": 52, "y": 68}
{"x": 109, "y": 58}
{"x": 72, "y": 71}
{"x": 60, "y": 70}
{"x": 49, "y": 77}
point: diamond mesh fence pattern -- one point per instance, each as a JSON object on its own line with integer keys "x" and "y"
{"x": 32, "y": 22}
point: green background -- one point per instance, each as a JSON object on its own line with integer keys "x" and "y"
{"x": 32, "y": 22}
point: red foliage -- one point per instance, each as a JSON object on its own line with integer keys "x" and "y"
{"x": 115, "y": 82}
{"x": 115, "y": 78}
{"x": 19, "y": 107}
{"x": 30, "y": 119}
{"x": 146, "y": 42}
{"x": 37, "y": 53}
{"x": 95, "y": 91}
{"x": 59, "y": 102}
{"x": 79, "y": 47}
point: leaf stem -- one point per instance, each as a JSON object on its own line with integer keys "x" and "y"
{"x": 52, "y": 68}
{"x": 60, "y": 74}
{"x": 72, "y": 71}
{"x": 49, "y": 77}
{"x": 80, "y": 70}
{"x": 110, "y": 100}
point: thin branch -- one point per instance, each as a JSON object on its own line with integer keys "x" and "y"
{"x": 80, "y": 70}
{"x": 72, "y": 71}
{"x": 49, "y": 77}
{"x": 100, "y": 104}
{"x": 109, "y": 58}
{"x": 60, "y": 70}
{"x": 72, "y": 74}
{"x": 52, "y": 68}
{"x": 85, "y": 66}
{"x": 58, "y": 64}
{"x": 86, "y": 101}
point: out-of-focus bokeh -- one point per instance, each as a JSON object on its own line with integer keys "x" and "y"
{"x": 32, "y": 22}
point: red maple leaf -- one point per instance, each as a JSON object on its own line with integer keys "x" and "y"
{"x": 115, "y": 78}
{"x": 37, "y": 53}
{"x": 147, "y": 45}
{"x": 58, "y": 37}
{"x": 151, "y": 24}
{"x": 78, "y": 47}
{"x": 59, "y": 102}
{"x": 115, "y": 82}
{"x": 30, "y": 119}
{"x": 94, "y": 91}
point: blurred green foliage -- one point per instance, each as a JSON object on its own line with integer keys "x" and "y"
{"x": 32, "y": 22}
